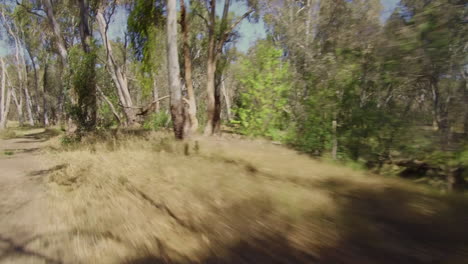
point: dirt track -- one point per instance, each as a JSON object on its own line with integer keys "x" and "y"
{"x": 23, "y": 207}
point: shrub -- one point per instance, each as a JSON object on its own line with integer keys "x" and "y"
{"x": 157, "y": 121}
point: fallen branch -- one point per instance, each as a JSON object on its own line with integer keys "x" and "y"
{"x": 114, "y": 112}
{"x": 149, "y": 105}
{"x": 146, "y": 109}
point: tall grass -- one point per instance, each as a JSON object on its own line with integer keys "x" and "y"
{"x": 123, "y": 198}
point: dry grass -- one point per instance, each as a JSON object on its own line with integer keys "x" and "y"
{"x": 7, "y": 133}
{"x": 148, "y": 199}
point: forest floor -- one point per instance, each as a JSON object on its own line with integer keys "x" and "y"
{"x": 140, "y": 197}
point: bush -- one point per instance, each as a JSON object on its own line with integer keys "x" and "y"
{"x": 157, "y": 121}
{"x": 262, "y": 106}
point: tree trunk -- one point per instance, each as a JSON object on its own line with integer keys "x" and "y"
{"x": 19, "y": 106}
{"x": 215, "y": 46}
{"x": 334, "y": 140}
{"x": 63, "y": 53}
{"x": 61, "y": 114}
{"x": 5, "y": 97}
{"x": 465, "y": 99}
{"x": 6, "y": 109}
{"x": 192, "y": 105}
{"x": 2, "y": 94}
{"x": 440, "y": 115}
{"x": 116, "y": 72}
{"x": 157, "y": 107}
{"x": 210, "y": 102}
{"x": 45, "y": 118}
{"x": 177, "y": 107}
{"x": 40, "y": 116}
{"x": 19, "y": 71}
{"x": 227, "y": 100}
{"x": 59, "y": 40}
{"x": 210, "y": 72}
{"x": 218, "y": 105}
{"x": 28, "y": 106}
{"x": 87, "y": 99}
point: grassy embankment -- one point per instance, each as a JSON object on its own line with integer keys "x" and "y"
{"x": 148, "y": 199}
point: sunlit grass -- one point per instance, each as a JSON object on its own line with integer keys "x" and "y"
{"x": 130, "y": 195}
{"x": 7, "y": 133}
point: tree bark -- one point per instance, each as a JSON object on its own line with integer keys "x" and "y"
{"x": 45, "y": 118}
{"x": 59, "y": 40}
{"x": 215, "y": 45}
{"x": 63, "y": 53}
{"x": 218, "y": 105}
{"x": 227, "y": 100}
{"x": 87, "y": 100}
{"x": 19, "y": 106}
{"x": 465, "y": 97}
{"x": 192, "y": 105}
{"x": 210, "y": 72}
{"x": 28, "y": 106}
{"x": 440, "y": 116}
{"x": 177, "y": 108}
{"x": 156, "y": 96}
{"x": 116, "y": 72}
{"x": 5, "y": 97}
{"x": 6, "y": 109}
{"x": 20, "y": 69}
{"x": 2, "y": 94}
{"x": 334, "y": 140}
{"x": 36, "y": 87}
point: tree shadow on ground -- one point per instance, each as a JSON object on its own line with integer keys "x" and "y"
{"x": 39, "y": 136}
{"x": 47, "y": 171}
{"x": 381, "y": 225}
{"x": 22, "y": 150}
{"x": 271, "y": 250}
{"x": 393, "y": 224}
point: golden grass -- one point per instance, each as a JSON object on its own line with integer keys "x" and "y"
{"x": 148, "y": 199}
{"x": 7, "y": 133}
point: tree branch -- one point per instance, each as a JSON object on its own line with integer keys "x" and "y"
{"x": 29, "y": 10}
{"x": 239, "y": 20}
{"x": 149, "y": 105}
{"x": 202, "y": 17}
{"x": 116, "y": 115}
{"x": 144, "y": 110}
{"x": 231, "y": 28}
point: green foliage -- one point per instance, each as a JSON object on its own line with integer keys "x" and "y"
{"x": 147, "y": 35}
{"x": 157, "y": 121}
{"x": 8, "y": 153}
{"x": 106, "y": 117}
{"x": 462, "y": 157}
{"x": 262, "y": 106}
{"x": 83, "y": 82}
{"x": 144, "y": 18}
{"x": 313, "y": 131}
{"x": 69, "y": 140}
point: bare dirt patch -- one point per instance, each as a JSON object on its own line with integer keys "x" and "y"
{"x": 24, "y": 207}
